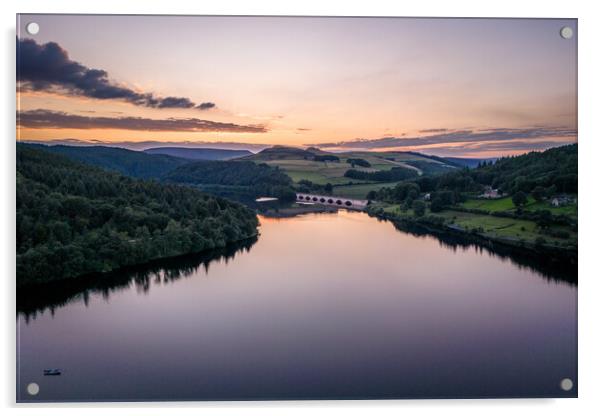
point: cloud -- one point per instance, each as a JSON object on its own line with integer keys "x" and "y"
{"x": 47, "y": 67}
{"x": 48, "y": 119}
{"x": 205, "y": 106}
{"x": 433, "y": 131}
{"x": 532, "y": 134}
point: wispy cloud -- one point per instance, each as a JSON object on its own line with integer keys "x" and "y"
{"x": 528, "y": 135}
{"x": 433, "y": 131}
{"x": 47, "y": 67}
{"x": 47, "y": 119}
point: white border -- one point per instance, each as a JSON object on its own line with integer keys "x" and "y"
{"x": 590, "y": 166}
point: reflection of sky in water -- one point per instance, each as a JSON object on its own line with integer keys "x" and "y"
{"x": 332, "y": 305}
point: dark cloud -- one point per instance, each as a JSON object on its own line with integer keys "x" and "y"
{"x": 205, "y": 106}
{"x": 47, "y": 67}
{"x": 532, "y": 134}
{"x": 47, "y": 119}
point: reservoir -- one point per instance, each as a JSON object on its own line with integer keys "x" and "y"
{"x": 320, "y": 306}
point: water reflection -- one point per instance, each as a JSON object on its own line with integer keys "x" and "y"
{"x": 34, "y": 300}
{"x": 323, "y": 306}
{"x": 50, "y": 296}
{"x": 545, "y": 266}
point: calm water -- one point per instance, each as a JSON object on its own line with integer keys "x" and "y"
{"x": 320, "y": 306}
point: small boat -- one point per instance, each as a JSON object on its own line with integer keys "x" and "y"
{"x": 52, "y": 372}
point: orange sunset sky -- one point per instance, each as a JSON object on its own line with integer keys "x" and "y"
{"x": 457, "y": 87}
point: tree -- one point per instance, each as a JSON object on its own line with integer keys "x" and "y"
{"x": 538, "y": 193}
{"x": 419, "y": 208}
{"x": 328, "y": 188}
{"x": 519, "y": 199}
{"x": 437, "y": 204}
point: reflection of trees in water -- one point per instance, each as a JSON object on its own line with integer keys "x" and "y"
{"x": 546, "y": 266}
{"x": 37, "y": 299}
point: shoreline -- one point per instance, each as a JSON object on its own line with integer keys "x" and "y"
{"x": 554, "y": 256}
{"x": 135, "y": 266}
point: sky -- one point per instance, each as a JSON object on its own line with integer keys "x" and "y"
{"x": 450, "y": 87}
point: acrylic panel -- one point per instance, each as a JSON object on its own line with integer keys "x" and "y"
{"x": 291, "y": 208}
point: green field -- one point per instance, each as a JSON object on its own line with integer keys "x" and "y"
{"x": 494, "y": 227}
{"x": 360, "y": 191}
{"x": 299, "y": 165}
{"x": 505, "y": 204}
{"x": 317, "y": 172}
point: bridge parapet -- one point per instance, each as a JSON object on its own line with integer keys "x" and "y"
{"x": 333, "y": 200}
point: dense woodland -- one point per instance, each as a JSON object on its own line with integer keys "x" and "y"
{"x": 248, "y": 177}
{"x": 74, "y": 219}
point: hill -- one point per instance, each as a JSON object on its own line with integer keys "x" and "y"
{"x": 236, "y": 179}
{"x": 550, "y": 172}
{"x": 127, "y": 162}
{"x": 283, "y": 153}
{"x": 199, "y": 153}
{"x": 349, "y": 173}
{"x": 527, "y": 202}
{"x": 74, "y": 219}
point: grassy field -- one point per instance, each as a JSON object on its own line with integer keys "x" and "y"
{"x": 360, "y": 191}
{"x": 299, "y": 165}
{"x": 505, "y": 204}
{"x": 317, "y": 172}
{"x": 494, "y": 227}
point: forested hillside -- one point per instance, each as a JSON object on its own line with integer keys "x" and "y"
{"x": 527, "y": 201}
{"x": 127, "y": 162}
{"x": 248, "y": 177}
{"x": 239, "y": 180}
{"x": 75, "y": 219}
{"x": 550, "y": 172}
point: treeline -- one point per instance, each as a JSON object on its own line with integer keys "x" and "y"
{"x": 537, "y": 173}
{"x": 394, "y": 174}
{"x": 353, "y": 161}
{"x": 74, "y": 219}
{"x": 326, "y": 158}
{"x": 249, "y": 177}
{"x": 307, "y": 186}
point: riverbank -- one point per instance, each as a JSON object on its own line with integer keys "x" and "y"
{"x": 85, "y": 278}
{"x": 486, "y": 230}
{"x": 297, "y": 209}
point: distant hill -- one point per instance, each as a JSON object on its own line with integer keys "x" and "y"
{"x": 126, "y": 162}
{"x": 199, "y": 153}
{"x": 458, "y": 162}
{"x": 236, "y": 179}
{"x": 283, "y": 153}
